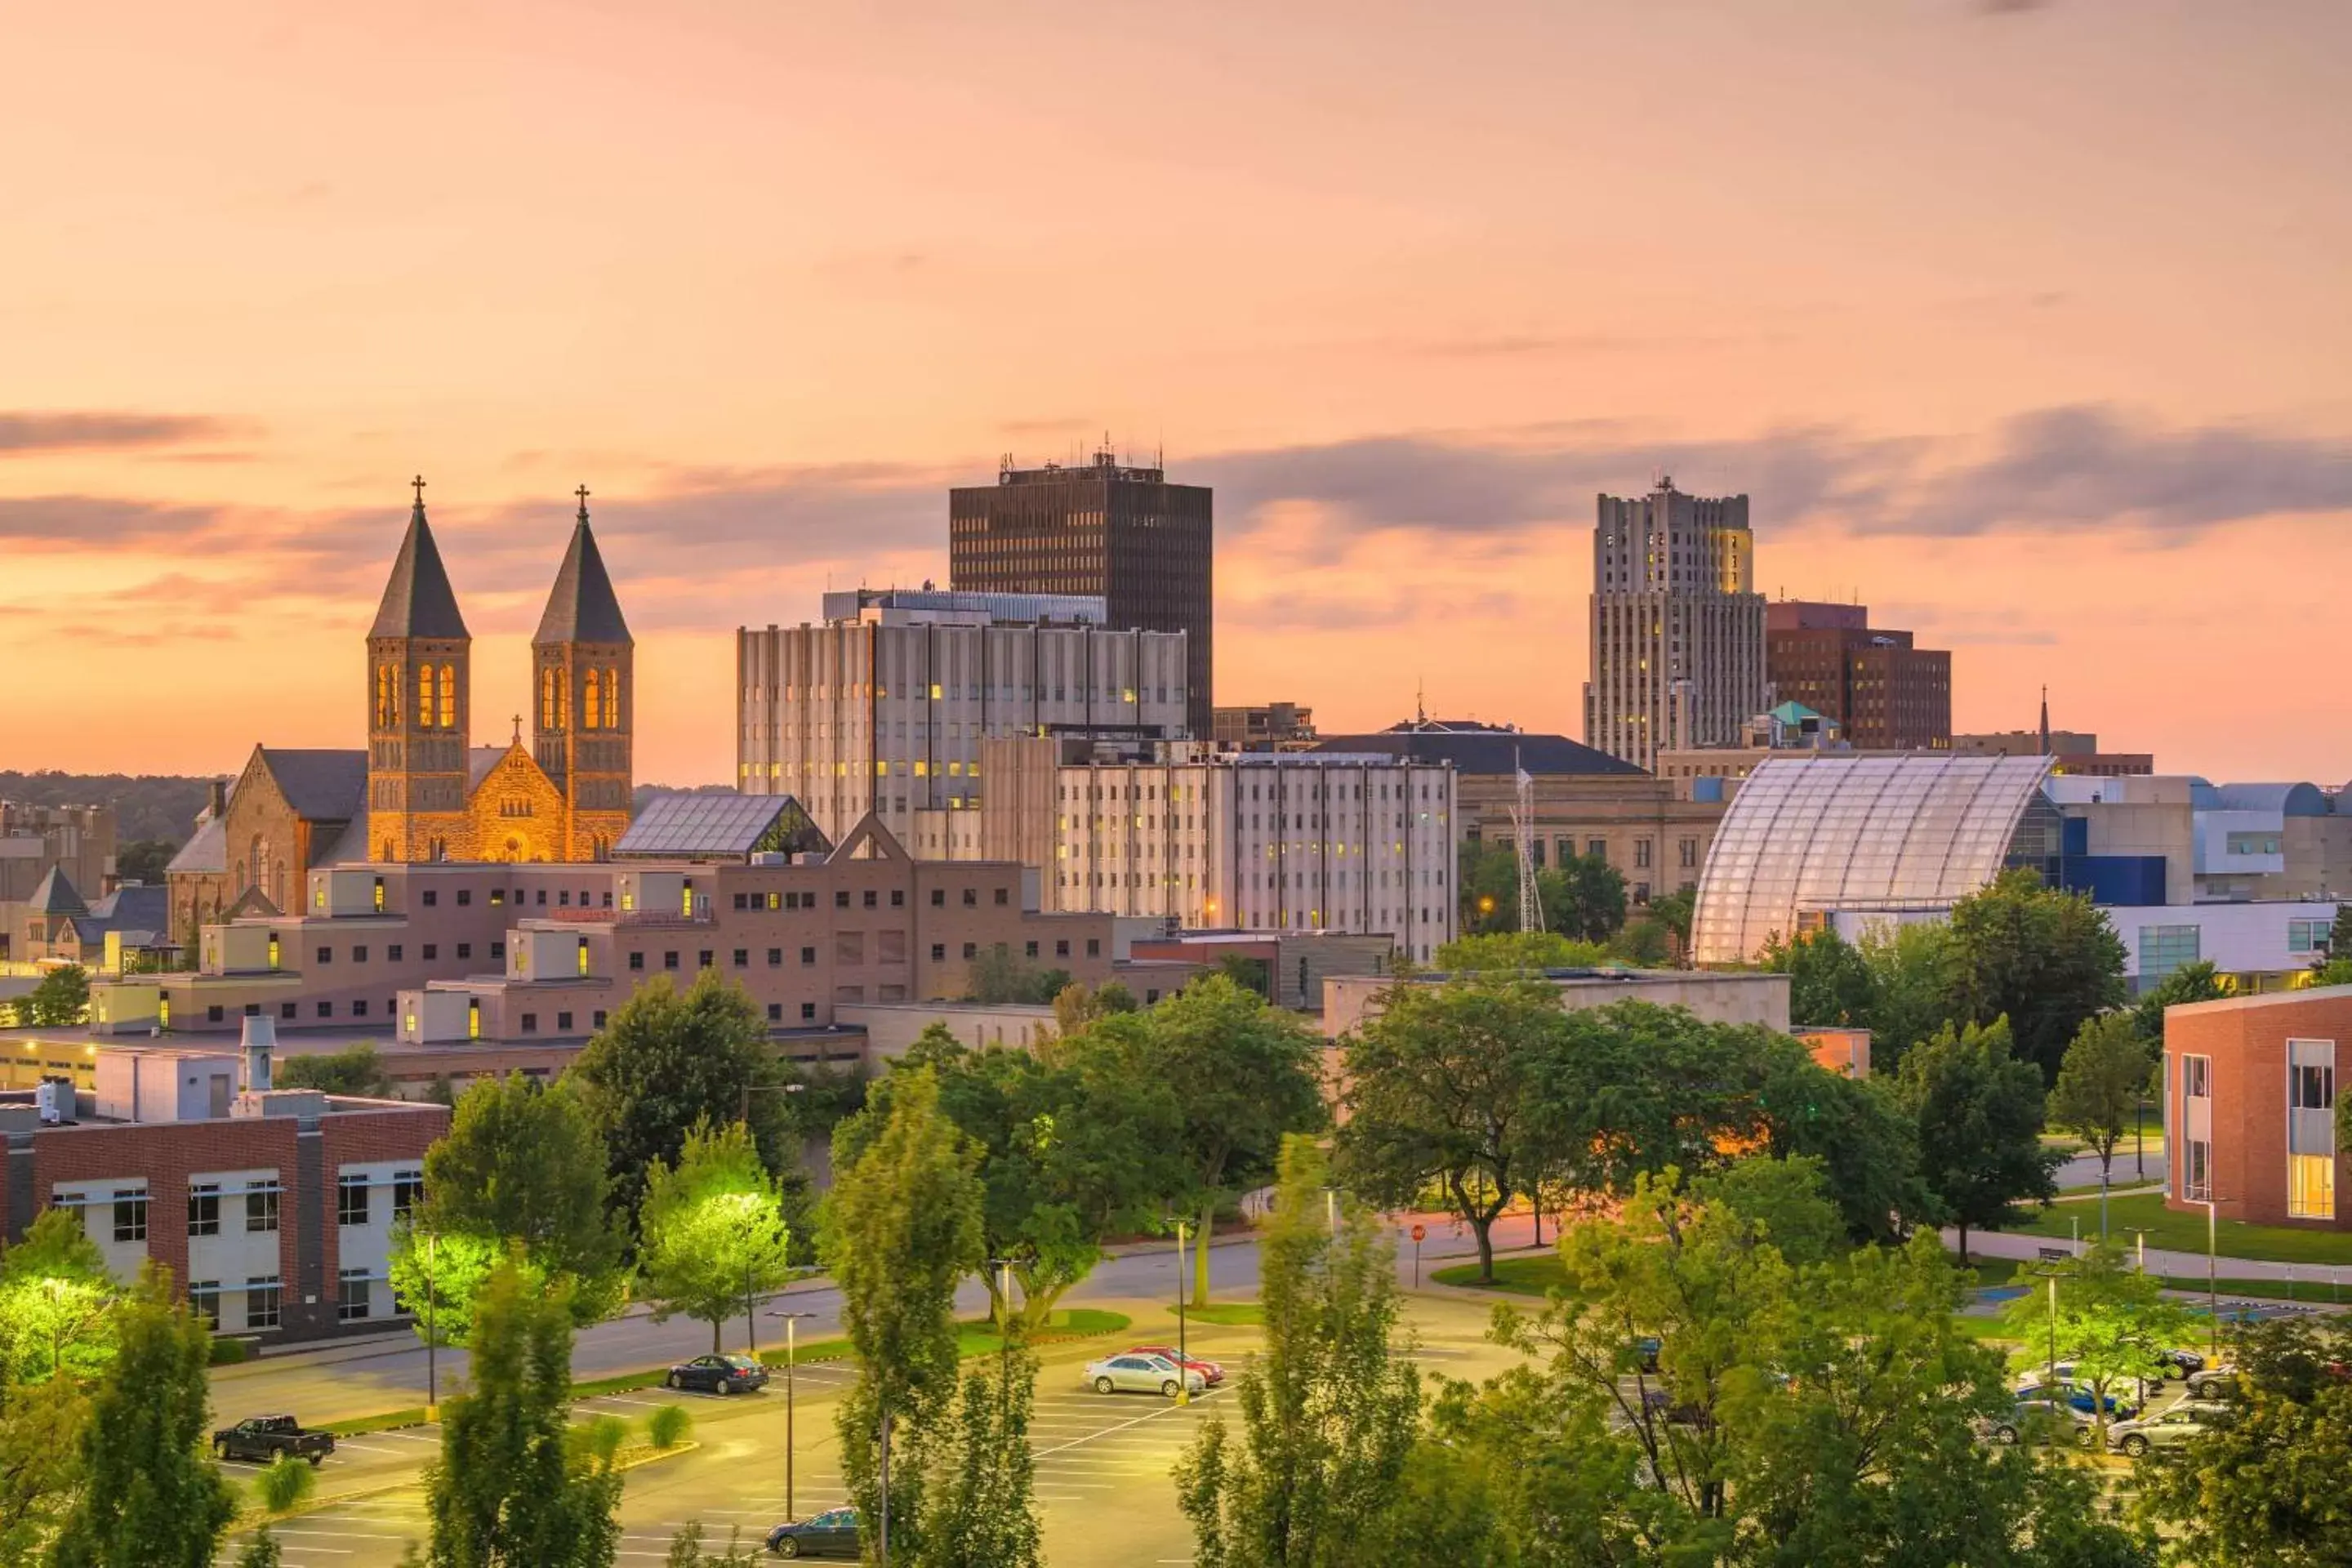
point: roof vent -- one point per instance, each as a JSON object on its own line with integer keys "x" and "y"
{"x": 260, "y": 1038}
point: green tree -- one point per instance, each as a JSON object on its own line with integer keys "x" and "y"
{"x": 515, "y": 1486}
{"x": 1609, "y": 1093}
{"x": 1978, "y": 1111}
{"x": 1330, "y": 1410}
{"x": 1583, "y": 898}
{"x": 665, "y": 1061}
{"x": 2101, "y": 1085}
{"x": 60, "y": 1001}
{"x": 2110, "y": 1319}
{"x": 41, "y": 1428}
{"x": 902, "y": 1226}
{"x": 980, "y": 1510}
{"x": 357, "y": 1070}
{"x": 1675, "y": 910}
{"x": 520, "y": 1164}
{"x": 2044, "y": 960}
{"x": 997, "y": 974}
{"x": 2198, "y": 982}
{"x": 1911, "y": 987}
{"x": 1866, "y": 1144}
{"x": 437, "y": 1276}
{"x": 144, "y": 860}
{"x": 2339, "y": 933}
{"x": 1486, "y": 887}
{"x": 56, "y": 1302}
{"x": 1250, "y": 974}
{"x": 1830, "y": 981}
{"x": 1438, "y": 1096}
{"x": 1244, "y": 1075}
{"x": 152, "y": 1496}
{"x": 1519, "y": 950}
{"x": 711, "y": 1234}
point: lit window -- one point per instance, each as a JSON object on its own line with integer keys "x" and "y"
{"x": 2310, "y": 1186}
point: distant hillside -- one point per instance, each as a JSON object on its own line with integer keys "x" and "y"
{"x": 159, "y": 806}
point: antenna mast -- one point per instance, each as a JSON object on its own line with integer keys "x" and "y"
{"x": 1523, "y": 817}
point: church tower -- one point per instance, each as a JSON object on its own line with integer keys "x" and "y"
{"x": 586, "y": 697}
{"x": 419, "y": 670}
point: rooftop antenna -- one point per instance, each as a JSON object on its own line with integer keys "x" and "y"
{"x": 1523, "y": 815}
{"x": 1420, "y": 703}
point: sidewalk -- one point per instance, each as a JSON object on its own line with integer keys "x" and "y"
{"x": 2323, "y": 1278}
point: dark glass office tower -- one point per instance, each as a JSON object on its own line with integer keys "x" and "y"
{"x": 1126, "y": 533}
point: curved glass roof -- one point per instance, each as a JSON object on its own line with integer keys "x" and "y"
{"x": 1830, "y": 832}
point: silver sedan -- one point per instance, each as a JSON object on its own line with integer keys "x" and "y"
{"x": 1142, "y": 1374}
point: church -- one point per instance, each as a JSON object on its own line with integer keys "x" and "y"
{"x": 421, "y": 790}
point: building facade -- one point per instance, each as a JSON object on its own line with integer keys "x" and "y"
{"x": 1882, "y": 692}
{"x": 1143, "y": 545}
{"x": 884, "y": 708}
{"x": 1272, "y": 727}
{"x": 1677, "y": 627}
{"x": 2250, "y": 1106}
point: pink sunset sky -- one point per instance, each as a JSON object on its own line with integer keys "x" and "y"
{"x": 2027, "y": 324}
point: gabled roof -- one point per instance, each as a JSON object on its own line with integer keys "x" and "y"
{"x": 206, "y": 851}
{"x": 56, "y": 895}
{"x": 350, "y": 847}
{"x": 479, "y": 761}
{"x": 581, "y": 607}
{"x": 418, "y": 600}
{"x": 695, "y": 825}
{"x": 1497, "y": 751}
{"x": 320, "y": 786}
{"x": 135, "y": 911}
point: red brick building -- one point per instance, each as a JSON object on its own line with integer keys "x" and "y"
{"x": 2250, "y": 1105}
{"x": 1884, "y": 694}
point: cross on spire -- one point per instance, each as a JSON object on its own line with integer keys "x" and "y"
{"x": 518, "y": 724}
{"x": 582, "y": 493}
{"x": 418, "y": 485}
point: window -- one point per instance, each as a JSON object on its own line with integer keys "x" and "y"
{"x": 2196, "y": 1077}
{"x": 670, "y": 961}
{"x": 359, "y": 1008}
{"x": 130, "y": 1213}
{"x": 204, "y": 1208}
{"x": 2163, "y": 949}
{"x": 214, "y": 1014}
{"x": 392, "y": 952}
{"x": 596, "y": 1019}
{"x": 203, "y": 1300}
{"x": 775, "y": 1011}
{"x": 465, "y": 949}
{"x": 287, "y": 1009}
{"x": 938, "y": 952}
{"x": 465, "y": 896}
{"x": 432, "y": 951}
{"x": 498, "y": 950}
{"x": 972, "y": 950}
{"x": 898, "y": 897}
{"x": 808, "y": 1012}
{"x": 261, "y": 1297}
{"x": 808, "y": 956}
{"x": 2306, "y": 937}
{"x": 1003, "y": 895}
{"x": 359, "y": 955}
{"x": 2311, "y": 1086}
{"x": 1029, "y": 950}
{"x": 1062, "y": 948}
{"x": 351, "y": 1200}
{"x": 971, "y": 897}
{"x": 431, "y": 897}
{"x": 841, "y": 899}
{"x": 407, "y": 1191}
{"x": 939, "y": 898}
{"x": 1687, "y": 853}
{"x": 2310, "y": 1186}
{"x": 326, "y": 1009}
{"x": 261, "y": 1208}
{"x": 872, "y": 899}
{"x": 326, "y": 955}
{"x": 563, "y": 1023}
{"x": 637, "y": 960}
{"x": 1094, "y": 947}
{"x": 531, "y": 1023}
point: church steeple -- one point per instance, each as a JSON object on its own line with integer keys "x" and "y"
{"x": 420, "y": 675}
{"x": 581, "y": 607}
{"x": 417, "y": 599}
{"x": 583, "y": 661}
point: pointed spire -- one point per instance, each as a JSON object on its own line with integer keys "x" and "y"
{"x": 56, "y": 895}
{"x": 581, "y": 607}
{"x": 417, "y": 599}
{"x": 2045, "y": 721}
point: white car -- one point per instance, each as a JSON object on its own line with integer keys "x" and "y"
{"x": 1142, "y": 1374}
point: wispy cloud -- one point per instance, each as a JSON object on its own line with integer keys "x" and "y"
{"x": 28, "y": 433}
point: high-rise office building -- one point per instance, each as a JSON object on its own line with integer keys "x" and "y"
{"x": 1677, "y": 624}
{"x": 1125, "y": 533}
{"x": 1885, "y": 694}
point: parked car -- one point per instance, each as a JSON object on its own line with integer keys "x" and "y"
{"x": 1142, "y": 1374}
{"x": 2179, "y": 1364}
{"x": 2080, "y": 1398}
{"x": 2038, "y": 1419}
{"x": 2213, "y": 1382}
{"x": 262, "y": 1439}
{"x": 718, "y": 1374}
{"x": 2180, "y": 1424}
{"x": 1209, "y": 1370}
{"x": 1646, "y": 1350}
{"x": 2064, "y": 1372}
{"x": 833, "y": 1534}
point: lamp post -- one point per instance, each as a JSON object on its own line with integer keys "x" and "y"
{"x": 432, "y": 1334}
{"x": 791, "y": 1351}
{"x": 2139, "y": 1234}
{"x": 1184, "y": 1346}
{"x": 1002, "y": 1268}
{"x": 2052, "y": 1379}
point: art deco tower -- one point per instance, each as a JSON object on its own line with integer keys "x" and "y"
{"x": 419, "y": 667}
{"x": 581, "y": 663}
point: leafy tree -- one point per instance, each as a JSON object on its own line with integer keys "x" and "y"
{"x": 2107, "y": 1318}
{"x": 515, "y": 1487}
{"x": 357, "y": 1070}
{"x": 1830, "y": 981}
{"x": 903, "y": 1224}
{"x": 981, "y": 1509}
{"x": 1246, "y": 1074}
{"x": 144, "y": 860}
{"x": 712, "y": 1232}
{"x": 61, "y": 1000}
{"x": 521, "y": 1164}
{"x": 1519, "y": 950}
{"x": 1077, "y": 1005}
{"x": 1675, "y": 910}
{"x": 1911, "y": 987}
{"x": 1438, "y": 1095}
{"x": 2100, "y": 1087}
{"x": 2335, "y": 972}
{"x": 1978, "y": 1109}
{"x": 2339, "y": 933}
{"x": 664, "y": 1062}
{"x": 686, "y": 1549}
{"x": 1330, "y": 1411}
{"x": 1866, "y": 1143}
{"x": 261, "y": 1552}
{"x": 1486, "y": 887}
{"x": 57, "y": 1301}
{"x": 437, "y": 1276}
{"x": 1644, "y": 943}
{"x": 2043, "y": 958}
{"x": 1249, "y": 973}
{"x": 2198, "y": 982}
{"x": 40, "y": 1462}
{"x": 152, "y": 1496}
{"x": 1583, "y": 898}
{"x": 998, "y": 975}
{"x": 1613, "y": 1092}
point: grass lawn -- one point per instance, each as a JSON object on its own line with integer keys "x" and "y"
{"x": 1532, "y": 1274}
{"x": 2186, "y": 1232}
{"x": 2322, "y": 1289}
{"x": 978, "y": 1336}
{"x": 1225, "y": 1314}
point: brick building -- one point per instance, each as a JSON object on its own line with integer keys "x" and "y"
{"x": 2250, "y": 1106}
{"x": 272, "y": 1210}
{"x": 1883, "y": 693}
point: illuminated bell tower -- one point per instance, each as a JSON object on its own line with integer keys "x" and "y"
{"x": 419, "y": 670}
{"x": 585, "y": 698}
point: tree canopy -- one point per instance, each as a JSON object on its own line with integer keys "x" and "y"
{"x": 711, "y": 1231}
{"x": 1978, "y": 1111}
{"x": 55, "y": 1302}
{"x": 2043, "y": 958}
{"x": 61, "y": 1000}
{"x": 356, "y": 1069}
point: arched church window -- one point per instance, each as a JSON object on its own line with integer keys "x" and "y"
{"x": 588, "y": 710}
{"x": 448, "y": 697}
{"x": 547, "y": 699}
{"x": 611, "y": 700}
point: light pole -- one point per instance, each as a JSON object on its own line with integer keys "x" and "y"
{"x": 2052, "y": 1379}
{"x": 1331, "y": 1209}
{"x": 1184, "y": 1346}
{"x": 2139, "y": 1234}
{"x": 791, "y": 1351}
{"x": 432, "y": 1334}
{"x": 1002, "y": 1268}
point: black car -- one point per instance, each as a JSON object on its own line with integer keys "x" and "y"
{"x": 262, "y": 1439}
{"x": 2179, "y": 1364}
{"x": 833, "y": 1534}
{"x": 718, "y": 1374}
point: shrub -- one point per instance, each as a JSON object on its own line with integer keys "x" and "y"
{"x": 667, "y": 1426}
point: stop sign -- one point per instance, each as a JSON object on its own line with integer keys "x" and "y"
{"x": 1420, "y": 1232}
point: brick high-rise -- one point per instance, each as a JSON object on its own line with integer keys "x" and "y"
{"x": 1145, "y": 546}
{"x": 1884, "y": 694}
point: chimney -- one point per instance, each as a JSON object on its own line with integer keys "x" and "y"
{"x": 260, "y": 1036}
{"x": 217, "y": 806}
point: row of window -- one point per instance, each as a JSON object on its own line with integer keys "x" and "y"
{"x": 869, "y": 899}
{"x": 707, "y": 958}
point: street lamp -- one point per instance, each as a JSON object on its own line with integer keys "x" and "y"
{"x": 791, "y": 1350}
{"x": 2212, "y": 1252}
{"x": 1184, "y": 1345}
{"x": 432, "y": 1335}
{"x": 2139, "y": 1232}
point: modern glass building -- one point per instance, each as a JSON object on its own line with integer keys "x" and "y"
{"x": 1819, "y": 833}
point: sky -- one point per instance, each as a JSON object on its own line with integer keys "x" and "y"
{"x": 2025, "y": 323}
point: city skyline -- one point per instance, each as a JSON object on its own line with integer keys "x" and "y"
{"x": 2020, "y": 325}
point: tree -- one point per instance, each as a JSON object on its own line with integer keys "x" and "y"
{"x": 2044, "y": 960}
{"x": 61, "y": 1000}
{"x": 56, "y": 1302}
{"x": 902, "y": 1227}
{"x": 711, "y": 1233}
{"x": 152, "y": 1496}
{"x": 1330, "y": 1411}
{"x": 1611, "y": 1093}
{"x": 664, "y": 1062}
{"x": 1249, "y": 973}
{"x": 2198, "y": 982}
{"x": 2100, "y": 1086}
{"x": 144, "y": 860}
{"x": 1486, "y": 887}
{"x": 998, "y": 975}
{"x": 1830, "y": 981}
{"x": 1911, "y": 987}
{"x": 1674, "y": 910}
{"x": 40, "y": 1462}
{"x": 1246, "y": 1074}
{"x": 1866, "y": 1145}
{"x": 521, "y": 1164}
{"x": 515, "y": 1486}
{"x": 357, "y": 1070}
{"x": 1978, "y": 1109}
{"x": 1437, "y": 1094}
{"x": 981, "y": 1509}
{"x": 2339, "y": 933}
{"x": 2105, "y": 1316}
{"x": 1534, "y": 949}
{"x": 1583, "y": 898}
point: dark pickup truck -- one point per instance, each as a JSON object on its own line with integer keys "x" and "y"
{"x": 263, "y": 1437}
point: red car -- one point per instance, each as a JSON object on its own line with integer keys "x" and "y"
{"x": 1210, "y": 1372}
